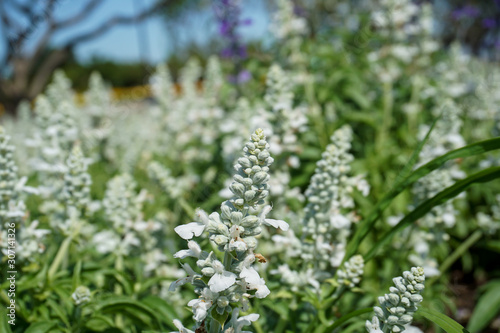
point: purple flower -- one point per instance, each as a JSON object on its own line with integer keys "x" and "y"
{"x": 228, "y": 16}
{"x": 468, "y": 11}
{"x": 489, "y": 23}
{"x": 244, "y": 76}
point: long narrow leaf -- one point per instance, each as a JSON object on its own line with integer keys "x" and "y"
{"x": 414, "y": 157}
{"x": 486, "y": 309}
{"x": 443, "y": 321}
{"x": 440, "y": 198}
{"x": 367, "y": 224}
{"x": 348, "y": 316}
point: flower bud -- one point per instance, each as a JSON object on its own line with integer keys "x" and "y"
{"x": 249, "y": 195}
{"x": 237, "y": 188}
{"x": 208, "y": 271}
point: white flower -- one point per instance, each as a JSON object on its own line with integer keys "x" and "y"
{"x": 274, "y": 223}
{"x": 200, "y": 308}
{"x": 106, "y": 241}
{"x": 373, "y": 326}
{"x": 339, "y": 221}
{"x": 222, "y": 279}
{"x": 250, "y": 275}
{"x": 190, "y": 230}
{"x": 182, "y": 329}
{"x": 238, "y": 323}
{"x": 194, "y": 251}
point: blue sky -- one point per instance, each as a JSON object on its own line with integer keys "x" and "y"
{"x": 122, "y": 44}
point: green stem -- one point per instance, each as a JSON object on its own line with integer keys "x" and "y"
{"x": 187, "y": 208}
{"x": 386, "y": 116}
{"x": 63, "y": 250}
{"x": 280, "y": 327}
{"x": 119, "y": 290}
{"x": 459, "y": 251}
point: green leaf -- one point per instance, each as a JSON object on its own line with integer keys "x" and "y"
{"x": 119, "y": 304}
{"x": 488, "y": 306}
{"x": 221, "y": 318}
{"x": 367, "y": 224}
{"x": 164, "y": 309}
{"x": 76, "y": 274}
{"x": 440, "y": 198}
{"x": 348, "y": 316}
{"x": 59, "y": 311}
{"x": 41, "y": 327}
{"x": 99, "y": 323}
{"x": 4, "y": 320}
{"x": 443, "y": 321}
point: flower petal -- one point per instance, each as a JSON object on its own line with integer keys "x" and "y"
{"x": 277, "y": 224}
{"x": 250, "y": 275}
{"x": 188, "y": 231}
{"x": 219, "y": 282}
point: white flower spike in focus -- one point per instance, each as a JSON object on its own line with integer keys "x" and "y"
{"x": 225, "y": 286}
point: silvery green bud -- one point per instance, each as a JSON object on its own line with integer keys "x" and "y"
{"x": 222, "y": 301}
{"x": 238, "y": 178}
{"x": 405, "y": 319}
{"x": 263, "y": 155}
{"x": 252, "y": 231}
{"x": 81, "y": 295}
{"x": 226, "y": 210}
{"x": 247, "y": 182}
{"x": 250, "y": 146}
{"x": 260, "y": 177}
{"x": 223, "y": 229}
{"x": 236, "y": 217}
{"x": 208, "y": 271}
{"x": 220, "y": 240}
{"x": 251, "y": 242}
{"x": 399, "y": 310}
{"x": 237, "y": 188}
{"x": 416, "y": 298}
{"x": 244, "y": 162}
{"x": 378, "y": 312}
{"x": 394, "y": 299}
{"x": 249, "y": 195}
{"x": 250, "y": 221}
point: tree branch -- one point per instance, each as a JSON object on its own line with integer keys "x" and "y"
{"x": 118, "y": 20}
{"x": 54, "y": 59}
{"x": 89, "y": 8}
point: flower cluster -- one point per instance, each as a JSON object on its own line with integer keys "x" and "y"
{"x": 76, "y": 190}
{"x": 8, "y": 182}
{"x": 397, "y": 308}
{"x": 326, "y": 225}
{"x": 223, "y": 283}
{"x": 169, "y": 184}
{"x": 29, "y": 240}
{"x": 352, "y": 271}
{"x": 289, "y": 28}
{"x": 123, "y": 208}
